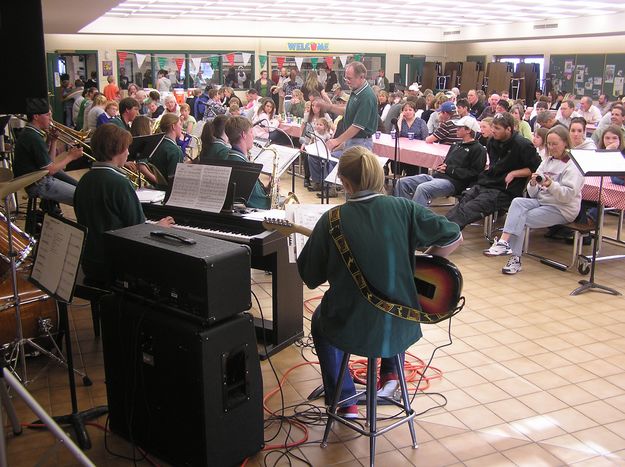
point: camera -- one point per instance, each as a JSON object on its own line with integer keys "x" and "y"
{"x": 539, "y": 179}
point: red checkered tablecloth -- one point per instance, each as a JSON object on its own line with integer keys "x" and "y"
{"x": 613, "y": 196}
{"x": 413, "y": 151}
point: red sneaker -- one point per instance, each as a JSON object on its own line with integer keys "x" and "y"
{"x": 351, "y": 411}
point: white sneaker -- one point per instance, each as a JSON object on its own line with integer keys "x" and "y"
{"x": 512, "y": 266}
{"x": 389, "y": 388}
{"x": 498, "y": 248}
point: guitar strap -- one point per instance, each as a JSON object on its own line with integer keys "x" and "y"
{"x": 370, "y": 294}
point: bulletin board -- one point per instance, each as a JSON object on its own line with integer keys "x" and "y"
{"x": 614, "y": 75}
{"x": 562, "y": 70}
{"x": 588, "y": 76}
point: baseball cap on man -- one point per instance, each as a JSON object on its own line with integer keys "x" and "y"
{"x": 414, "y": 87}
{"x": 448, "y": 107}
{"x": 468, "y": 122}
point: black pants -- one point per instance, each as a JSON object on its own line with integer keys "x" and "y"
{"x": 478, "y": 203}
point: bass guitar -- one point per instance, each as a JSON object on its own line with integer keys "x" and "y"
{"x": 438, "y": 280}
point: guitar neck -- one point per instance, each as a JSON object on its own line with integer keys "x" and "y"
{"x": 286, "y": 227}
{"x": 301, "y": 230}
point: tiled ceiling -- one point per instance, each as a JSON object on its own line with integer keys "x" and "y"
{"x": 428, "y": 13}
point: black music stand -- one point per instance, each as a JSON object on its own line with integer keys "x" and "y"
{"x": 142, "y": 147}
{"x": 64, "y": 239}
{"x": 591, "y": 164}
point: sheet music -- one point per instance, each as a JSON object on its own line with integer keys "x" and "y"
{"x": 321, "y": 150}
{"x": 285, "y": 157}
{"x": 307, "y": 216}
{"x": 148, "y": 195}
{"x": 333, "y": 175}
{"x": 202, "y": 187}
{"x": 599, "y": 163}
{"x": 58, "y": 257}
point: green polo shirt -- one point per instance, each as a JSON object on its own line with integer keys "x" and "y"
{"x": 117, "y": 121}
{"x": 258, "y": 198}
{"x": 104, "y": 200}
{"x": 383, "y": 233}
{"x": 362, "y": 111}
{"x": 218, "y": 151}
{"x": 31, "y": 151}
{"x": 167, "y": 157}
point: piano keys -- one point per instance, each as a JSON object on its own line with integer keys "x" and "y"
{"x": 269, "y": 253}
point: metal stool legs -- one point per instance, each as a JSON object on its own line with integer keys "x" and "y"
{"x": 371, "y": 404}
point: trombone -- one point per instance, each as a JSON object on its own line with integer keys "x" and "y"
{"x": 71, "y": 137}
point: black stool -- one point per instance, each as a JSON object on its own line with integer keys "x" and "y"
{"x": 93, "y": 293}
{"x": 372, "y": 401}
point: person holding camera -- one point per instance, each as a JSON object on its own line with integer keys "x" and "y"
{"x": 555, "y": 195}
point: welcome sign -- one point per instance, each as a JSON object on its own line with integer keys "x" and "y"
{"x": 309, "y": 46}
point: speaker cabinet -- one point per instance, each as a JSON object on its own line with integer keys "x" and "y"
{"x": 191, "y": 395}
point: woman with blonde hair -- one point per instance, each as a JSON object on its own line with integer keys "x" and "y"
{"x": 97, "y": 109}
{"x": 311, "y": 85}
{"x": 168, "y": 154}
{"x": 346, "y": 321}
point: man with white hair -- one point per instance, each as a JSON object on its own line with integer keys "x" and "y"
{"x": 590, "y": 112}
{"x": 490, "y": 111}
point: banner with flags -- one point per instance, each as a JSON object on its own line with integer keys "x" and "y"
{"x": 330, "y": 62}
{"x": 230, "y": 58}
{"x": 343, "y": 60}
{"x": 122, "y": 57}
{"x": 179, "y": 63}
{"x": 314, "y": 61}
{"x": 140, "y": 59}
{"x": 262, "y": 59}
{"x": 162, "y": 62}
{"x": 196, "y": 62}
{"x": 246, "y": 58}
{"x": 298, "y": 62}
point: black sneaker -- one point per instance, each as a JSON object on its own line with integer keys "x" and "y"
{"x": 306, "y": 182}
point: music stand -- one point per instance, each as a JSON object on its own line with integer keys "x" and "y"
{"x": 142, "y": 147}
{"x": 55, "y": 267}
{"x": 242, "y": 180}
{"x": 591, "y": 164}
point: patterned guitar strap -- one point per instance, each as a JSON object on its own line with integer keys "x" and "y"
{"x": 399, "y": 311}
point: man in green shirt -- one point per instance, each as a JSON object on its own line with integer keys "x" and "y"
{"x": 128, "y": 110}
{"x": 360, "y": 116}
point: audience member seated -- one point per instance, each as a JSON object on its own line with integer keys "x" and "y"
{"x": 383, "y": 104}
{"x": 603, "y": 104}
{"x": 408, "y": 122}
{"x": 141, "y": 126}
{"x": 155, "y": 110}
{"x": 491, "y": 110}
{"x": 554, "y": 199}
{"x": 171, "y": 105}
{"x": 214, "y": 145}
{"x": 540, "y": 142}
{"x": 589, "y": 111}
{"x": 97, "y": 109}
{"x": 188, "y": 122}
{"x": 476, "y": 106}
{"x": 463, "y": 163}
{"x": 538, "y": 108}
{"x": 617, "y": 118}
{"x": 486, "y": 130}
{"x": 265, "y": 119}
{"x": 512, "y": 159}
{"x": 446, "y": 132}
{"x": 297, "y": 103}
{"x": 111, "y": 110}
{"x": 214, "y": 106}
{"x": 566, "y": 113}
{"x": 431, "y": 115}
{"x": 577, "y": 131}
{"x": 168, "y": 154}
{"x": 323, "y": 132}
{"x": 522, "y": 126}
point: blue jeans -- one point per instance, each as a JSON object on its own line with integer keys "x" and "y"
{"x": 54, "y": 189}
{"x": 365, "y": 142}
{"x": 330, "y": 359}
{"x": 422, "y": 188}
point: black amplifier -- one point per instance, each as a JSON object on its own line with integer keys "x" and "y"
{"x": 200, "y": 276}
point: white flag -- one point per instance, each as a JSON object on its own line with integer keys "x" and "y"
{"x": 196, "y": 62}
{"x": 246, "y": 58}
{"x": 298, "y": 62}
{"x": 140, "y": 59}
{"x": 343, "y": 60}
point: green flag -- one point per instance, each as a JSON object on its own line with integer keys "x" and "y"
{"x": 262, "y": 59}
{"x": 314, "y": 61}
{"x": 214, "y": 61}
{"x": 162, "y": 62}
{"x": 357, "y": 57}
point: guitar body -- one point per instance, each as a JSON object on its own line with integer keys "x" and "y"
{"x": 439, "y": 285}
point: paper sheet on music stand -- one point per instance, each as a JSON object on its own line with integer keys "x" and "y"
{"x": 284, "y": 157}
{"x": 58, "y": 257}
{"x": 307, "y": 216}
{"x": 320, "y": 150}
{"x": 148, "y": 195}
{"x": 598, "y": 163}
{"x": 202, "y": 187}
{"x": 333, "y": 175}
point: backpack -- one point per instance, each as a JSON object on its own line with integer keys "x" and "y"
{"x": 200, "y": 106}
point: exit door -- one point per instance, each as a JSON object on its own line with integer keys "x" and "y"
{"x": 411, "y": 68}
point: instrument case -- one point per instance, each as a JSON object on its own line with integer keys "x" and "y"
{"x": 202, "y": 278}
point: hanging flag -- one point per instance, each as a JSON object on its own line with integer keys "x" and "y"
{"x": 329, "y": 62}
{"x": 246, "y": 58}
{"x": 280, "y": 61}
{"x": 343, "y": 60}
{"x": 214, "y": 61}
{"x": 122, "y": 57}
{"x": 230, "y": 58}
{"x": 162, "y": 62}
{"x": 314, "y": 61}
{"x": 196, "y": 62}
{"x": 298, "y": 62}
{"x": 140, "y": 59}
{"x": 179, "y": 63}
{"x": 262, "y": 59}
{"x": 357, "y": 57}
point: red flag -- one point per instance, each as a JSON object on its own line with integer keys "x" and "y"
{"x": 280, "y": 61}
{"x": 179, "y": 63}
{"x": 329, "y": 62}
{"x": 230, "y": 58}
{"x": 122, "y": 57}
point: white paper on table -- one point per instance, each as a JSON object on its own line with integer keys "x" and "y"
{"x": 333, "y": 175}
{"x": 148, "y": 195}
{"x": 305, "y": 215}
{"x": 202, "y": 187}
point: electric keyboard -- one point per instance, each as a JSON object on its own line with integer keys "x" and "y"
{"x": 269, "y": 252}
